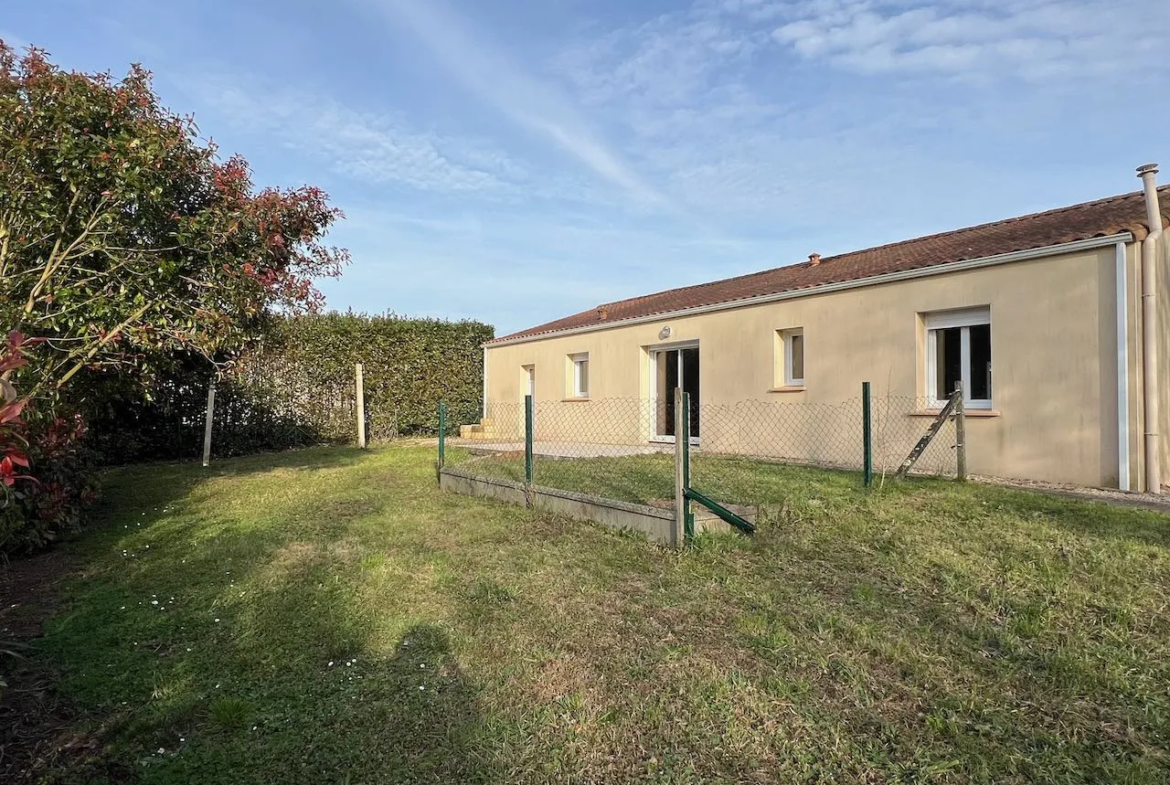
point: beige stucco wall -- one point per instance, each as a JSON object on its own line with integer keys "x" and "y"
{"x": 1054, "y": 360}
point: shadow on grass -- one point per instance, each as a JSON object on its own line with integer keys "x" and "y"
{"x": 1099, "y": 520}
{"x": 217, "y": 648}
{"x": 148, "y": 488}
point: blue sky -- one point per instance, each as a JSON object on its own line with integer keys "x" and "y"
{"x": 518, "y": 160}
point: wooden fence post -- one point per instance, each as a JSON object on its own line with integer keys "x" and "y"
{"x": 207, "y": 425}
{"x": 442, "y": 434}
{"x": 361, "y": 407}
{"x": 960, "y": 434}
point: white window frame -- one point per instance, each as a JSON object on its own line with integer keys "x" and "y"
{"x": 945, "y": 320}
{"x": 790, "y": 379}
{"x": 577, "y": 360}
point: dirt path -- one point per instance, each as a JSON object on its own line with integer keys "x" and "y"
{"x": 39, "y": 730}
{"x": 28, "y": 593}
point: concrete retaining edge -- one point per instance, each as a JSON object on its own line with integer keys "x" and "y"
{"x": 657, "y": 524}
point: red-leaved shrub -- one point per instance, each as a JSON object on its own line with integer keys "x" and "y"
{"x": 47, "y": 473}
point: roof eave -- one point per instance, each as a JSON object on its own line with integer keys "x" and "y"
{"x": 857, "y": 283}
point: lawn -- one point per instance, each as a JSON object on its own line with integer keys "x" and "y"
{"x": 644, "y": 479}
{"x": 330, "y": 616}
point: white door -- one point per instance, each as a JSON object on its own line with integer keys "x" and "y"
{"x": 530, "y": 381}
{"x": 671, "y": 368}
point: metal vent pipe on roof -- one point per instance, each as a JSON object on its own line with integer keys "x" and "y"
{"x": 1150, "y": 329}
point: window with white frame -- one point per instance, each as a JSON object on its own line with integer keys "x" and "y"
{"x": 958, "y": 351}
{"x": 580, "y": 375}
{"x": 792, "y": 348}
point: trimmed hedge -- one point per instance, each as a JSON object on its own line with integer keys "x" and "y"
{"x": 295, "y": 388}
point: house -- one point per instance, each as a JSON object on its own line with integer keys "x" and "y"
{"x": 1055, "y": 324}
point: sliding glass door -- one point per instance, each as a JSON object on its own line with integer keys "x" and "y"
{"x": 669, "y": 369}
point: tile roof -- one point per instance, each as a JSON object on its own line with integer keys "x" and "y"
{"x": 1102, "y": 218}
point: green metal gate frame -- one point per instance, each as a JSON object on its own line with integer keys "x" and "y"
{"x": 683, "y": 433}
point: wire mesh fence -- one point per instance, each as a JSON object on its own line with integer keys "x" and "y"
{"x": 623, "y": 448}
{"x": 825, "y": 435}
{"x": 603, "y": 447}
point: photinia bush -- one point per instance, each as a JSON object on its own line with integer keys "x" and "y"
{"x": 46, "y": 471}
{"x": 127, "y": 247}
{"x": 124, "y": 239}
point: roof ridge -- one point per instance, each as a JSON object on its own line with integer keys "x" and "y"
{"x": 933, "y": 235}
{"x": 1108, "y": 216}
{"x": 999, "y": 222}
{"x": 688, "y": 287}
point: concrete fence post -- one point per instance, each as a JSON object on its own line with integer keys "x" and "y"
{"x": 361, "y": 406}
{"x": 207, "y": 424}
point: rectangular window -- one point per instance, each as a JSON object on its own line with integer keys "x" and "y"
{"x": 580, "y": 375}
{"x": 790, "y": 347}
{"x": 958, "y": 351}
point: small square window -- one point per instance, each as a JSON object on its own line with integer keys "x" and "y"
{"x": 580, "y": 375}
{"x": 958, "y": 351}
{"x": 790, "y": 368}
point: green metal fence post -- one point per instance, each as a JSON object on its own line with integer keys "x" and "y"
{"x": 685, "y": 435}
{"x": 867, "y": 432}
{"x": 528, "y": 439}
{"x": 442, "y": 433}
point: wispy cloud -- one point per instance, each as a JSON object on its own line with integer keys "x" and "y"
{"x": 728, "y": 105}
{"x": 525, "y": 100}
{"x": 376, "y": 148}
{"x": 978, "y": 39}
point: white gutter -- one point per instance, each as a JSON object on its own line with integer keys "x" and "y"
{"x": 483, "y": 415}
{"x": 875, "y": 280}
{"x": 1150, "y": 329}
{"x": 1122, "y": 370}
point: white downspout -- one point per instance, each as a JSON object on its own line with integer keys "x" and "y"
{"x": 1150, "y": 329}
{"x": 1122, "y": 369}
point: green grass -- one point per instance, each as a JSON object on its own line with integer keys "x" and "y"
{"x": 329, "y": 616}
{"x": 646, "y": 478}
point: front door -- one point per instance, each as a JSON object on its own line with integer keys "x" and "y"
{"x": 672, "y": 368}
